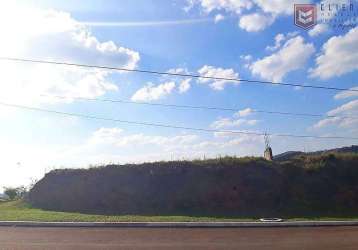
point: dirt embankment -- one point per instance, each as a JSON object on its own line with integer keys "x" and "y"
{"x": 308, "y": 185}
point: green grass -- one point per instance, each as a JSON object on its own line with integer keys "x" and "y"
{"x": 21, "y": 211}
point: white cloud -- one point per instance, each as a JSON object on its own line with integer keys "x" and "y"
{"x": 116, "y": 137}
{"x": 292, "y": 56}
{"x": 230, "y": 123}
{"x": 210, "y": 71}
{"x": 225, "y": 122}
{"x": 275, "y": 7}
{"x": 235, "y": 139}
{"x": 107, "y": 145}
{"x": 219, "y": 18}
{"x": 263, "y": 16}
{"x": 244, "y": 112}
{"x": 47, "y": 80}
{"x": 319, "y": 29}
{"x": 189, "y": 5}
{"x": 339, "y": 55}
{"x": 178, "y": 71}
{"x": 243, "y": 139}
{"x": 347, "y": 94}
{"x": 235, "y": 6}
{"x": 119, "y": 144}
{"x": 151, "y": 92}
{"x": 325, "y": 122}
{"x": 255, "y": 22}
{"x": 51, "y": 34}
{"x": 346, "y": 109}
{"x": 184, "y": 85}
{"x": 251, "y": 122}
{"x": 346, "y": 116}
{"x": 148, "y": 23}
{"x": 337, "y": 122}
{"x": 237, "y": 120}
{"x": 246, "y": 57}
{"x": 279, "y": 38}
{"x": 278, "y": 7}
{"x": 54, "y": 35}
{"x": 105, "y": 135}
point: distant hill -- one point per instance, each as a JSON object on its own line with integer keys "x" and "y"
{"x": 291, "y": 154}
{"x": 351, "y": 149}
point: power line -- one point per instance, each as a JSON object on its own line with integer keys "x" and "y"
{"x": 198, "y": 107}
{"x": 171, "y": 126}
{"x": 178, "y": 74}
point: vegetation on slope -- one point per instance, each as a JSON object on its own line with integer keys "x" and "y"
{"x": 317, "y": 185}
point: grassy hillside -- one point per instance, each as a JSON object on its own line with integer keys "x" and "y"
{"x": 305, "y": 186}
{"x": 22, "y": 211}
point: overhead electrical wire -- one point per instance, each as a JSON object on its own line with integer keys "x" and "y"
{"x": 171, "y": 126}
{"x": 198, "y": 107}
{"x": 177, "y": 74}
{"x": 182, "y": 106}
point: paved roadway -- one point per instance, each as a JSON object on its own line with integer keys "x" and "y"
{"x": 327, "y": 238}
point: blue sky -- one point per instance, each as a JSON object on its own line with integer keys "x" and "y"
{"x": 248, "y": 39}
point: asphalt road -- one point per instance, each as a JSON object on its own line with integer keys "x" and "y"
{"x": 14, "y": 238}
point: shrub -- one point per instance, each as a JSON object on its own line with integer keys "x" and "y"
{"x": 15, "y": 193}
